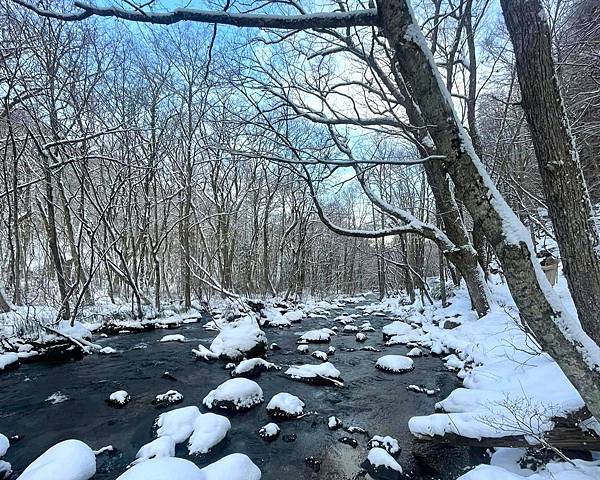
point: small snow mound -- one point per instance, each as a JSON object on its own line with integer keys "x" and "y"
{"x": 120, "y": 398}
{"x": 275, "y": 318}
{"x": 380, "y": 464}
{"x": 107, "y": 351}
{"x": 168, "y": 398}
{"x": 209, "y": 430}
{"x": 361, "y": 337}
{"x": 396, "y": 328}
{"x": 204, "y": 353}
{"x": 294, "y": 316}
{"x": 236, "y": 466}
{"x": 333, "y": 423}
{"x": 415, "y": 352}
{"x": 324, "y": 373}
{"x": 269, "y": 432}
{"x": 303, "y": 348}
{"x": 253, "y": 367}
{"x": 322, "y": 335}
{"x": 242, "y": 339}
{"x": 319, "y": 355}
{"x": 173, "y": 338}
{"x": 285, "y": 405}
{"x": 178, "y": 423}
{"x": 160, "y": 447}
{"x": 164, "y": 468}
{"x": 350, "y": 329}
{"x": 235, "y": 394}
{"x": 67, "y": 460}
{"x": 390, "y": 444}
{"x": 394, "y": 363}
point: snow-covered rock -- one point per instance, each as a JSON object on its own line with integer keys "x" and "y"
{"x": 240, "y": 339}
{"x": 107, "y": 351}
{"x": 269, "y": 432}
{"x": 422, "y": 389}
{"x": 350, "y": 329}
{"x": 252, "y": 368}
{"x": 236, "y": 466}
{"x": 333, "y": 423}
{"x": 331, "y": 350}
{"x": 324, "y": 373}
{"x": 294, "y": 316}
{"x": 173, "y": 338}
{"x": 119, "y": 399}
{"x": 415, "y": 352}
{"x": 67, "y": 460}
{"x": 164, "y": 468}
{"x": 380, "y": 464}
{"x": 390, "y": 444}
{"x": 285, "y": 405}
{"x": 318, "y": 354}
{"x": 366, "y": 327}
{"x": 170, "y": 397}
{"x": 5, "y": 470}
{"x": 235, "y": 394}
{"x": 57, "y": 397}
{"x": 322, "y": 335}
{"x": 396, "y": 328}
{"x": 4, "y": 445}
{"x": 209, "y": 430}
{"x": 203, "y": 353}
{"x": 8, "y": 360}
{"x": 158, "y": 448}
{"x": 361, "y": 337}
{"x": 394, "y": 363}
{"x": 275, "y": 318}
{"x": 178, "y": 423}
{"x": 303, "y": 348}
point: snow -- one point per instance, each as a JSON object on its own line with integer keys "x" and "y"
{"x": 361, "y": 337}
{"x": 5, "y": 469}
{"x": 209, "y": 430}
{"x": 236, "y": 466}
{"x": 7, "y": 359}
{"x": 275, "y": 318}
{"x": 322, "y": 335}
{"x": 120, "y": 397}
{"x": 173, "y": 338}
{"x": 164, "y": 468}
{"x": 204, "y": 353}
{"x": 238, "y": 339}
{"x": 415, "y": 352}
{"x": 253, "y": 365}
{"x": 390, "y": 444}
{"x": 67, "y": 460}
{"x": 158, "y": 448}
{"x": 294, "y": 316}
{"x": 318, "y": 354}
{"x": 57, "y": 397}
{"x": 303, "y": 348}
{"x": 350, "y": 329}
{"x": 396, "y": 328}
{"x": 237, "y": 393}
{"x": 178, "y": 423}
{"x": 285, "y": 404}
{"x": 269, "y": 431}
{"x": 171, "y": 396}
{"x": 307, "y": 372}
{"x": 378, "y": 457}
{"x": 107, "y": 351}
{"x": 78, "y": 331}
{"x": 578, "y": 470}
{"x": 394, "y": 363}
{"x": 333, "y": 423}
{"x": 4, "y": 445}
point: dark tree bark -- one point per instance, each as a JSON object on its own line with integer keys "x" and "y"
{"x": 564, "y": 185}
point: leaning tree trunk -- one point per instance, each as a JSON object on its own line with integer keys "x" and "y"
{"x": 558, "y": 334}
{"x": 564, "y": 185}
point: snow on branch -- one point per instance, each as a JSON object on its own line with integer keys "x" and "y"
{"x": 356, "y": 18}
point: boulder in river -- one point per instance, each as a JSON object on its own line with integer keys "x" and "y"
{"x": 240, "y": 339}
{"x": 323, "y": 374}
{"x": 171, "y": 397}
{"x": 235, "y": 394}
{"x": 381, "y": 465}
{"x": 119, "y": 399}
{"x": 394, "y": 363}
{"x": 253, "y": 367}
{"x": 269, "y": 432}
{"x": 285, "y": 405}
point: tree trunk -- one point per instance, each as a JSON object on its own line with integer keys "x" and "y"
{"x": 539, "y": 308}
{"x": 558, "y": 160}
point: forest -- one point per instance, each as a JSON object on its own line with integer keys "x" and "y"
{"x": 381, "y": 219}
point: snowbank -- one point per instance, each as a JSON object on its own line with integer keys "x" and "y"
{"x": 8, "y": 360}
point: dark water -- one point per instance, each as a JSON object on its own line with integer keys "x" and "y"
{"x": 371, "y": 399}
